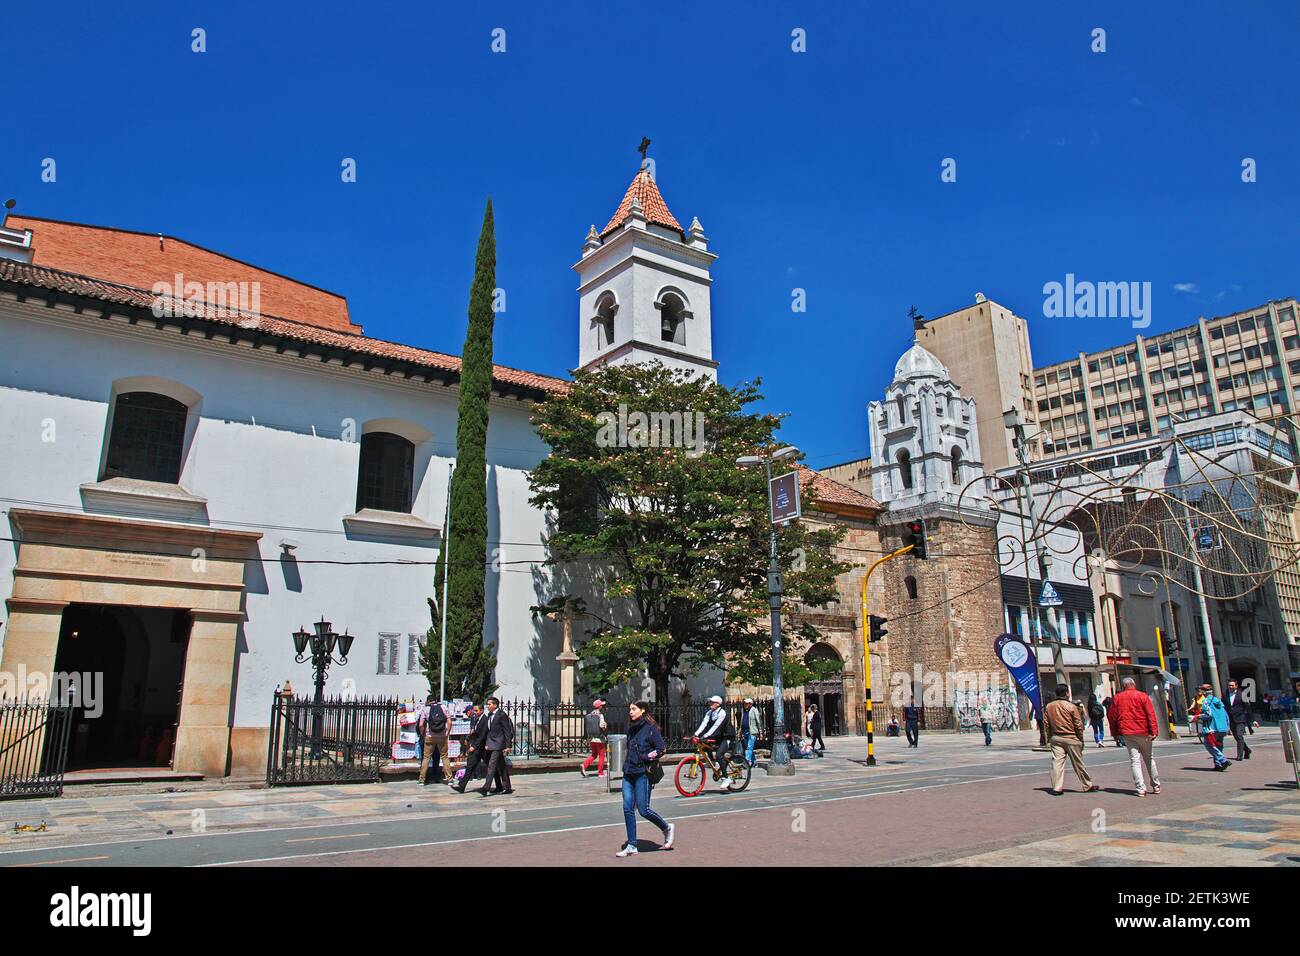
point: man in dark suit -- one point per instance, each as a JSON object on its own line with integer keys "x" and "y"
{"x": 1239, "y": 716}
{"x": 473, "y": 748}
{"x": 498, "y": 738}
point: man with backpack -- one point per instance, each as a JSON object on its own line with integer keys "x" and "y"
{"x": 1214, "y": 725}
{"x": 433, "y": 725}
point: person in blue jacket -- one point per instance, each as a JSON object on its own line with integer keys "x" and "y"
{"x": 1214, "y": 722}
{"x": 645, "y": 745}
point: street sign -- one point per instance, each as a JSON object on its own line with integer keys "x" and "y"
{"x": 1207, "y": 538}
{"x": 1049, "y": 597}
{"x": 785, "y": 497}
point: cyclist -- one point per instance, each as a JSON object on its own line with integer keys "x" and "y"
{"x": 717, "y": 725}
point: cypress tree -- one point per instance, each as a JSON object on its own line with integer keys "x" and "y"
{"x": 470, "y": 665}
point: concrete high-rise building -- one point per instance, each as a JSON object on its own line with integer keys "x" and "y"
{"x": 985, "y": 348}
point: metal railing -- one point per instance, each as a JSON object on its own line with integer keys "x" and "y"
{"x": 33, "y": 748}
{"x": 335, "y": 741}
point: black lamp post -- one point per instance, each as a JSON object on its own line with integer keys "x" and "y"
{"x": 779, "y": 765}
{"x": 323, "y": 643}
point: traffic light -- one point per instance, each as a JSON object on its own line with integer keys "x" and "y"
{"x": 1171, "y": 645}
{"x": 914, "y": 534}
{"x": 878, "y": 631}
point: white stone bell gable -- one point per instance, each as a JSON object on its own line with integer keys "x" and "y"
{"x": 924, "y": 438}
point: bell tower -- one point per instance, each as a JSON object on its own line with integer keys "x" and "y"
{"x": 643, "y": 286}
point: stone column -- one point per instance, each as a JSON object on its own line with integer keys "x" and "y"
{"x": 203, "y": 735}
{"x": 31, "y": 640}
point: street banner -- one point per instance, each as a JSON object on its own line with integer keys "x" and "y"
{"x": 1023, "y": 665}
{"x": 785, "y": 497}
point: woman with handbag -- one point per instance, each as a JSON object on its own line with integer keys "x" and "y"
{"x": 641, "y": 771}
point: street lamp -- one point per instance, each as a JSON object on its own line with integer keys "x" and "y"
{"x": 1039, "y": 621}
{"x": 779, "y": 765}
{"x": 323, "y": 644}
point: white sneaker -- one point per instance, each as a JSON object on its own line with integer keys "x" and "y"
{"x": 668, "y": 838}
{"x": 628, "y": 850}
{"x": 726, "y": 784}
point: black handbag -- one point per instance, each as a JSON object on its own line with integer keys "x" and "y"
{"x": 656, "y": 773}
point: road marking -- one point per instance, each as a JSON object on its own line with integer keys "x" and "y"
{"x": 337, "y": 836}
{"x": 76, "y": 859}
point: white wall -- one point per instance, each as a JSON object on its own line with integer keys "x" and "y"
{"x": 279, "y": 478}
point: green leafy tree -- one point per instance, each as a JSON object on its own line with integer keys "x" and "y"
{"x": 677, "y": 531}
{"x": 470, "y": 665}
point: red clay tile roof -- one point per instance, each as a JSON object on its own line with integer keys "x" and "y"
{"x": 140, "y": 259}
{"x": 830, "y": 494}
{"x": 23, "y": 274}
{"x": 652, "y": 203}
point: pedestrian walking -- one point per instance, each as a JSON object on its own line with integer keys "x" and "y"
{"x": 473, "y": 748}
{"x": 1214, "y": 725}
{"x": 1097, "y": 718}
{"x": 498, "y": 738}
{"x": 912, "y": 723}
{"x": 1133, "y": 722}
{"x": 986, "y": 715}
{"x": 1065, "y": 737}
{"x": 595, "y": 727}
{"x": 751, "y": 727}
{"x": 433, "y": 725}
{"x": 717, "y": 726}
{"x": 815, "y": 730}
{"x": 641, "y": 771}
{"x": 1239, "y": 718}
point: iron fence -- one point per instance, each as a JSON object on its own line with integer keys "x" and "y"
{"x": 33, "y": 748}
{"x": 335, "y": 741}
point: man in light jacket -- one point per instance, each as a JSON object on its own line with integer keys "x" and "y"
{"x": 1065, "y": 737}
{"x": 1133, "y": 719}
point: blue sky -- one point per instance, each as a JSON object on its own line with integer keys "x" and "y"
{"x": 818, "y": 170}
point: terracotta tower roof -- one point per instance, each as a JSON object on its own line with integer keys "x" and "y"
{"x": 644, "y": 190}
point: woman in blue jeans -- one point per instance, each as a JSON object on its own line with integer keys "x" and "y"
{"x": 645, "y": 745}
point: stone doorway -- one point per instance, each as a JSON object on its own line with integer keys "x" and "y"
{"x": 127, "y": 665}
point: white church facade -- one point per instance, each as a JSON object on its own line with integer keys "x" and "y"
{"x": 185, "y": 487}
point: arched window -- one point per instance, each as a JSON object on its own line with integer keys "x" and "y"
{"x": 910, "y": 583}
{"x": 605, "y": 309}
{"x": 387, "y": 468}
{"x": 146, "y": 438}
{"x": 672, "y": 318}
{"x": 955, "y": 458}
{"x": 905, "y": 469}
{"x": 902, "y": 409}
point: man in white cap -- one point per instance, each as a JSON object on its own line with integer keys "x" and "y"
{"x": 751, "y": 728}
{"x": 716, "y": 725}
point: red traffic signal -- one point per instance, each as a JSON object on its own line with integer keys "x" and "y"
{"x": 914, "y": 534}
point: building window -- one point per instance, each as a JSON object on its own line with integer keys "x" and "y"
{"x": 1266, "y": 638}
{"x": 1014, "y": 625}
{"x": 605, "y": 310}
{"x": 389, "y": 649}
{"x": 955, "y": 458}
{"x": 1084, "y": 637}
{"x": 905, "y": 469}
{"x": 147, "y": 438}
{"x": 387, "y": 468}
{"x": 910, "y": 583}
{"x": 672, "y": 321}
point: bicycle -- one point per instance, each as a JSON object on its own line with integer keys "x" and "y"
{"x": 693, "y": 770}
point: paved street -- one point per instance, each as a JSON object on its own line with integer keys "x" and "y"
{"x": 953, "y": 801}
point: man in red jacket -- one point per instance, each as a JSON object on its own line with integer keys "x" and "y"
{"x": 1133, "y": 719}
